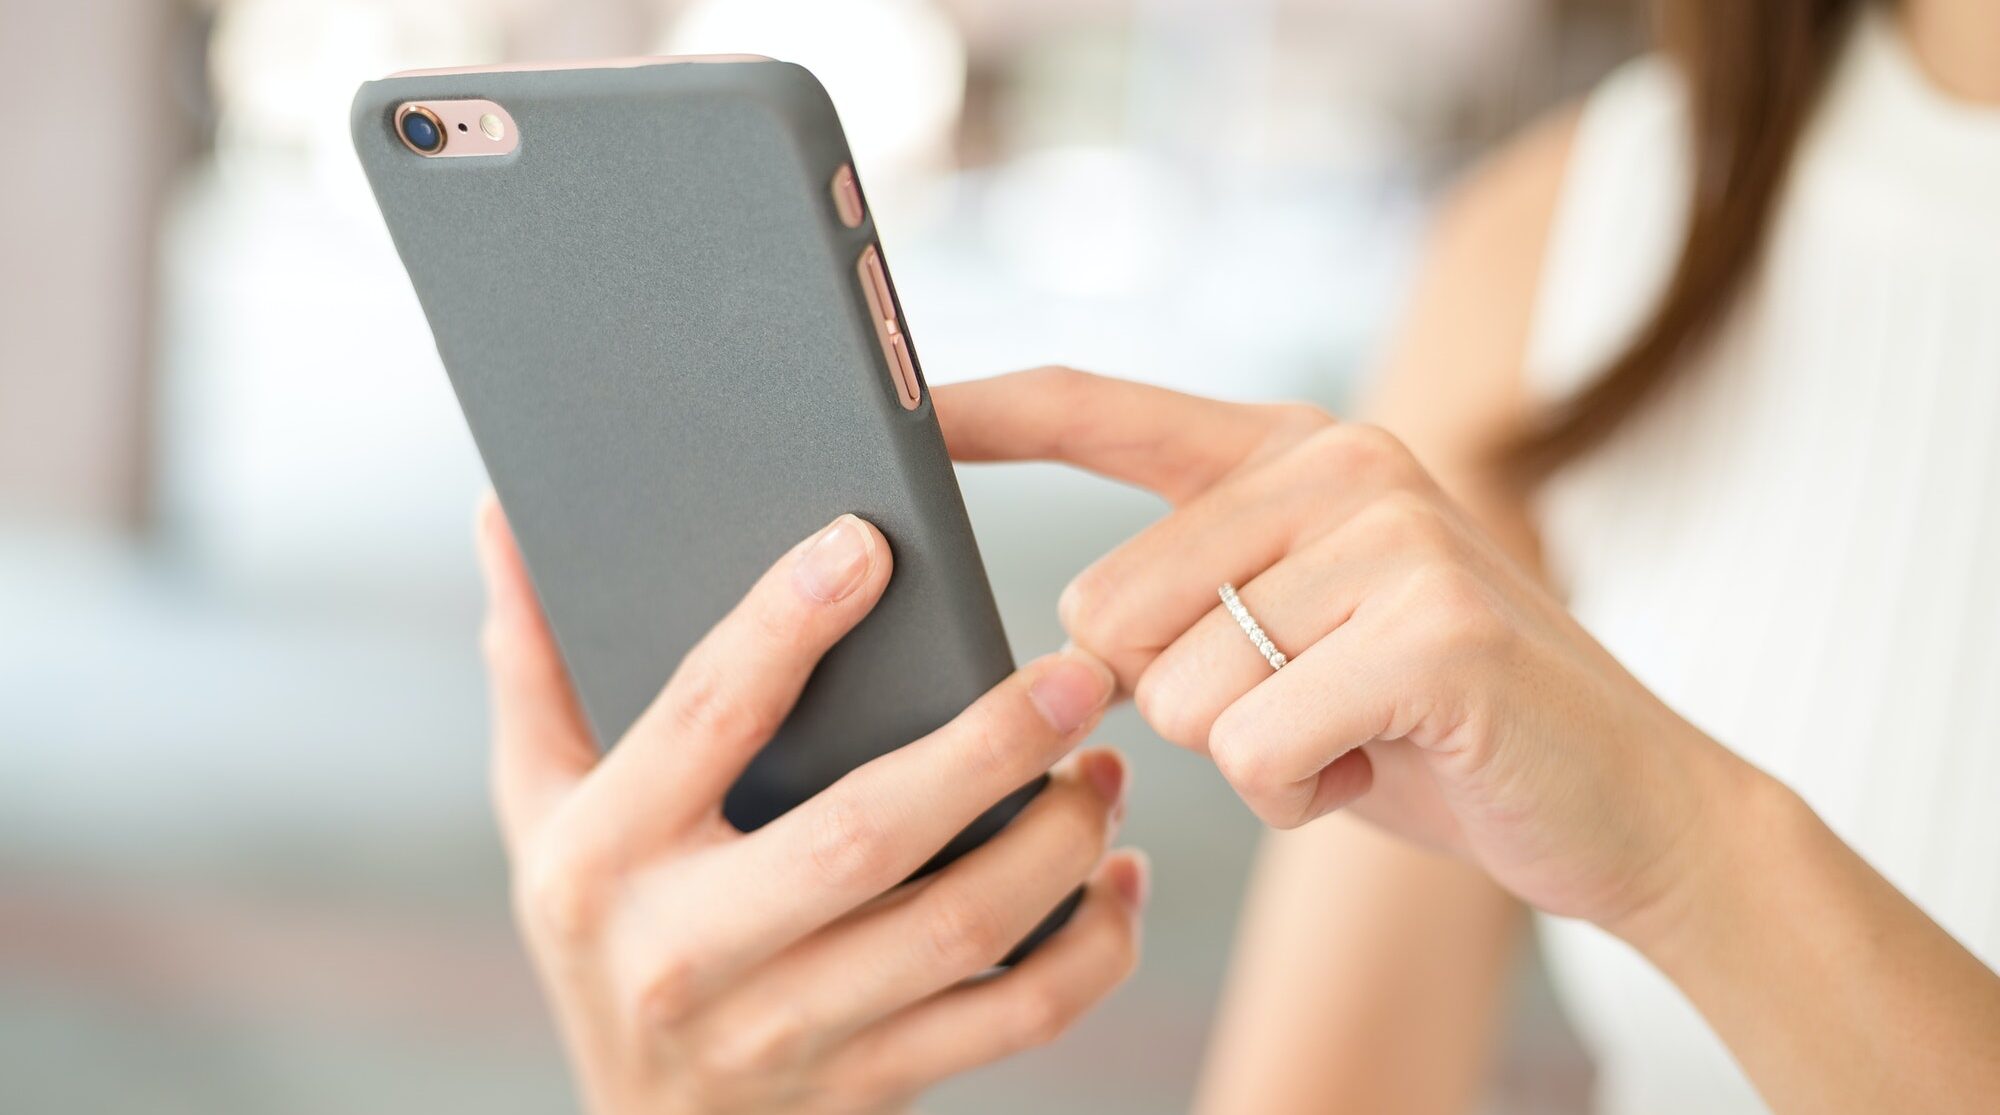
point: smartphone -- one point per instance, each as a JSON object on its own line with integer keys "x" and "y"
{"x": 656, "y": 287}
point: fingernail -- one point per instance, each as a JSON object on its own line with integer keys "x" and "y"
{"x": 1071, "y": 692}
{"x": 1133, "y": 879}
{"x": 1106, "y": 772}
{"x": 835, "y": 563}
{"x": 1070, "y": 600}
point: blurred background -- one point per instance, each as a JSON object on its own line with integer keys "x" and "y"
{"x": 245, "y": 858}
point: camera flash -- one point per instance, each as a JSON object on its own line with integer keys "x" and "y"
{"x": 491, "y": 126}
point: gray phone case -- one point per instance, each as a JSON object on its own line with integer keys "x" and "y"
{"x": 651, "y": 314}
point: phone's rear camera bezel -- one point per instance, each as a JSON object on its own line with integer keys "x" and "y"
{"x": 443, "y": 135}
{"x": 464, "y": 127}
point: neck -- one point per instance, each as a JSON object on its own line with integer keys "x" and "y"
{"x": 1958, "y": 44}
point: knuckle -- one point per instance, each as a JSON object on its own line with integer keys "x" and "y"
{"x": 770, "y": 1043}
{"x": 848, "y": 846}
{"x": 1081, "y": 828}
{"x": 1040, "y": 1015}
{"x": 560, "y": 895}
{"x": 1059, "y": 379}
{"x": 1234, "y": 749}
{"x": 1299, "y": 419}
{"x": 1352, "y": 450}
{"x": 1290, "y": 426}
{"x": 962, "y": 928}
{"x": 1404, "y": 520}
{"x": 1085, "y": 608}
{"x": 985, "y": 748}
{"x": 1380, "y": 447}
{"x": 704, "y": 706}
{"x": 666, "y": 995}
{"x": 1285, "y": 814}
{"x": 1457, "y": 609}
{"x": 1164, "y": 701}
{"x": 714, "y": 1069}
{"x": 1059, "y": 385}
{"x": 774, "y": 621}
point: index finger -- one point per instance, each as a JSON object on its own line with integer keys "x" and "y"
{"x": 1168, "y": 442}
{"x": 541, "y": 748}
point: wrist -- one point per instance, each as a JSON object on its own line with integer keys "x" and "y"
{"x": 1743, "y": 819}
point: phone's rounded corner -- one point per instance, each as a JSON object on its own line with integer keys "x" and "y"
{"x": 365, "y": 111}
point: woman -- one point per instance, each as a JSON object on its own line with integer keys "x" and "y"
{"x": 1716, "y": 355}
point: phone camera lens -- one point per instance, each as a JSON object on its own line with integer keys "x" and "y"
{"x": 421, "y": 131}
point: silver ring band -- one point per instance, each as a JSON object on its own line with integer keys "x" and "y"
{"x": 1251, "y": 627}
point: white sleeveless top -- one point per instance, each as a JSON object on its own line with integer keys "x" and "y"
{"x": 1798, "y": 546}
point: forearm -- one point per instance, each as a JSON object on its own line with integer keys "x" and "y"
{"x": 1833, "y": 990}
{"x": 1367, "y": 977}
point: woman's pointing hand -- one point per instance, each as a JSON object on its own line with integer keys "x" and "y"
{"x": 1431, "y": 682}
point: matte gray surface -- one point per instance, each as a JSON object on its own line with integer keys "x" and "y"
{"x": 651, "y": 316}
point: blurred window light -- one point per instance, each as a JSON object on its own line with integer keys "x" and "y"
{"x": 284, "y": 71}
{"x": 895, "y": 68}
{"x": 1090, "y": 221}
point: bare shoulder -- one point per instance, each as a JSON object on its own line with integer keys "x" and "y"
{"x": 1507, "y": 202}
{"x": 1466, "y": 325}
{"x": 1452, "y": 384}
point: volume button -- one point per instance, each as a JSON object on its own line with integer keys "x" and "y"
{"x": 877, "y": 280}
{"x": 888, "y": 331}
{"x": 847, "y": 197}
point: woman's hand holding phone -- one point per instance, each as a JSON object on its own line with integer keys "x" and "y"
{"x": 694, "y": 968}
{"x": 1427, "y": 671}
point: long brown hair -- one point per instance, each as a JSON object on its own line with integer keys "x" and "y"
{"x": 1755, "y": 69}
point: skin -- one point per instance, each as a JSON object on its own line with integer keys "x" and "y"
{"x": 1958, "y": 44}
{"x": 693, "y": 968}
{"x": 1504, "y": 757}
{"x": 1432, "y": 684}
{"x": 1437, "y": 690}
{"x": 1487, "y": 752}
{"x": 1391, "y": 1004}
